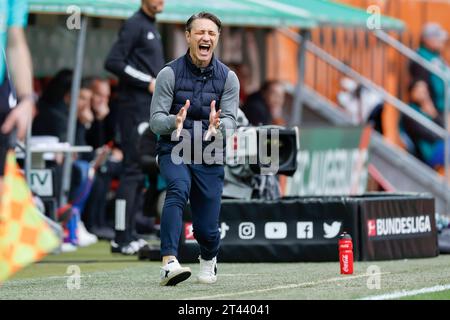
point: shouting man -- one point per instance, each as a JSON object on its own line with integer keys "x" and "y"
{"x": 195, "y": 90}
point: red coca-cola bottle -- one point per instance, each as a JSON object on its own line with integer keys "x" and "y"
{"x": 346, "y": 253}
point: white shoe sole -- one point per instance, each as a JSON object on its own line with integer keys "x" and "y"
{"x": 176, "y": 277}
{"x": 206, "y": 280}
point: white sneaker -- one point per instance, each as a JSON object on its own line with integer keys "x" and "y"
{"x": 84, "y": 237}
{"x": 68, "y": 247}
{"x": 138, "y": 244}
{"x": 208, "y": 271}
{"x": 173, "y": 273}
{"x": 127, "y": 249}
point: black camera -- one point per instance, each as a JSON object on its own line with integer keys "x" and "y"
{"x": 255, "y": 155}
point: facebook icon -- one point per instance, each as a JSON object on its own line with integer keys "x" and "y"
{"x": 305, "y": 230}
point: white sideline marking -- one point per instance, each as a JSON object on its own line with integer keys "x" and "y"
{"x": 289, "y": 286}
{"x": 406, "y": 293}
{"x": 240, "y": 274}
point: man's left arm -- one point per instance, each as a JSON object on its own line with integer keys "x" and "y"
{"x": 229, "y": 103}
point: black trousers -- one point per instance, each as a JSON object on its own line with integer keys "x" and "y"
{"x": 130, "y": 192}
{"x": 94, "y": 214}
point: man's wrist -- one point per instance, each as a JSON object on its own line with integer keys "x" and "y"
{"x": 26, "y": 97}
{"x": 218, "y": 124}
{"x": 221, "y": 126}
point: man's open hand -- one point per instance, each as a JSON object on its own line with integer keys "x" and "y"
{"x": 20, "y": 118}
{"x": 181, "y": 116}
{"x": 214, "y": 121}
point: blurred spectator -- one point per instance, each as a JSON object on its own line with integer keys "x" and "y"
{"x": 108, "y": 160}
{"x": 52, "y": 119}
{"x": 52, "y": 109}
{"x": 432, "y": 43}
{"x": 82, "y": 174}
{"x": 247, "y": 80}
{"x": 101, "y": 92}
{"x": 99, "y": 134}
{"x": 363, "y": 105}
{"x": 85, "y": 116}
{"x": 427, "y": 146}
{"x": 265, "y": 106}
{"x": 237, "y": 68}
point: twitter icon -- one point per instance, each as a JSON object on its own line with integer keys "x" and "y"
{"x": 332, "y": 230}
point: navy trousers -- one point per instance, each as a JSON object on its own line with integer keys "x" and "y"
{"x": 202, "y": 184}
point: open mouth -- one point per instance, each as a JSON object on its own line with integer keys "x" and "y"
{"x": 204, "y": 48}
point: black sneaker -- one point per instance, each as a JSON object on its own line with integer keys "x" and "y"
{"x": 149, "y": 252}
{"x": 104, "y": 233}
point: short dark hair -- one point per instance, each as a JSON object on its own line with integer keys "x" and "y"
{"x": 86, "y": 83}
{"x": 203, "y": 15}
{"x": 267, "y": 85}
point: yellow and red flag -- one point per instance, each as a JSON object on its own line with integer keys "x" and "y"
{"x": 25, "y": 237}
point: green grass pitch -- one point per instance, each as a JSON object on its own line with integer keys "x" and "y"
{"x": 107, "y": 276}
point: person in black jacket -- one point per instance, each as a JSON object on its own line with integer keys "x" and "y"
{"x": 266, "y": 105}
{"x": 136, "y": 58}
{"x": 427, "y": 146}
{"x": 432, "y": 44}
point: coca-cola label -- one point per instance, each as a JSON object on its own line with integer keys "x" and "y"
{"x": 345, "y": 245}
{"x": 345, "y": 262}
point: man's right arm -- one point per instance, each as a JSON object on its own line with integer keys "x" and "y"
{"x": 161, "y": 121}
{"x": 117, "y": 60}
{"x": 20, "y": 65}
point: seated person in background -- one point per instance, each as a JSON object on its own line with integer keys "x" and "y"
{"x": 101, "y": 137}
{"x": 432, "y": 43}
{"x": 85, "y": 116}
{"x": 97, "y": 135}
{"x": 428, "y": 147}
{"x": 52, "y": 110}
{"x": 248, "y": 80}
{"x": 81, "y": 181}
{"x": 265, "y": 106}
{"x": 52, "y": 119}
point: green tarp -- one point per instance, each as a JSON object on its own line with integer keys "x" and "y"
{"x": 231, "y": 12}
{"x": 261, "y": 13}
{"x": 332, "y": 13}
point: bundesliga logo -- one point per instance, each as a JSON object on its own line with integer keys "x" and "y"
{"x": 398, "y": 226}
{"x": 372, "y": 228}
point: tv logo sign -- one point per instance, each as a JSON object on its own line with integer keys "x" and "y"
{"x": 305, "y": 230}
{"x": 372, "y": 228}
{"x": 42, "y": 182}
